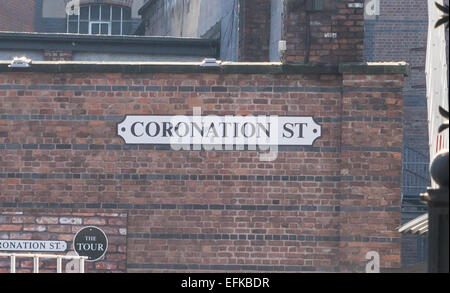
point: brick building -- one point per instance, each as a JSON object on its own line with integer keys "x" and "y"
{"x": 317, "y": 208}
{"x": 250, "y": 30}
{"x": 393, "y": 30}
{"x": 398, "y": 29}
{"x": 17, "y": 15}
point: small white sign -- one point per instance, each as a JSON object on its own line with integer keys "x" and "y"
{"x": 355, "y": 5}
{"x": 73, "y": 7}
{"x": 219, "y": 130}
{"x": 32, "y": 245}
{"x": 330, "y": 35}
{"x": 372, "y": 9}
{"x": 373, "y": 262}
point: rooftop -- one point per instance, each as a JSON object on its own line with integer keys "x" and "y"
{"x": 110, "y": 44}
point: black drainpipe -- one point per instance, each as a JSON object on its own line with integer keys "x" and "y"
{"x": 308, "y": 37}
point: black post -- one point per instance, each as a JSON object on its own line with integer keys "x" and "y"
{"x": 438, "y": 256}
{"x": 438, "y": 228}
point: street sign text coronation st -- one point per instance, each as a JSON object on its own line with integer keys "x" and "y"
{"x": 219, "y": 130}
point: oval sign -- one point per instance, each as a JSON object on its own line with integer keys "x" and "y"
{"x": 91, "y": 242}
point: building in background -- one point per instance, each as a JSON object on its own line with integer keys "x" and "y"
{"x": 201, "y": 18}
{"x": 17, "y": 16}
{"x": 110, "y": 17}
{"x": 102, "y": 31}
{"x": 397, "y": 30}
{"x": 250, "y": 30}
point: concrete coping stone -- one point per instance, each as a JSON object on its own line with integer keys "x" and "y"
{"x": 370, "y": 68}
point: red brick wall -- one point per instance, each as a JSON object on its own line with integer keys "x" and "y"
{"x": 62, "y": 226}
{"x": 347, "y": 23}
{"x": 254, "y": 36}
{"x": 381, "y": 195}
{"x": 400, "y": 33}
{"x": 17, "y": 15}
{"x": 317, "y": 208}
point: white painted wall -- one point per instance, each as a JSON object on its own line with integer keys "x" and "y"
{"x": 54, "y": 8}
{"x": 137, "y": 4}
{"x": 437, "y": 81}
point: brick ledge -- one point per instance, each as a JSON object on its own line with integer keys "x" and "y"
{"x": 389, "y": 68}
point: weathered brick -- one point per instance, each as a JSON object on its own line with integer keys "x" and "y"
{"x": 59, "y": 228}
{"x": 65, "y": 237}
{"x": 329, "y": 40}
{"x": 47, "y": 220}
{"x": 108, "y": 266}
{"x": 34, "y": 228}
{"x": 5, "y": 219}
{"x": 70, "y": 221}
{"x": 94, "y": 221}
{"x": 17, "y": 16}
{"x": 10, "y": 228}
{"x": 20, "y": 236}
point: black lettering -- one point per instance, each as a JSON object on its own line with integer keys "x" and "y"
{"x": 167, "y": 129}
{"x": 291, "y": 132}
{"x": 197, "y": 127}
{"x": 133, "y": 129}
{"x": 300, "y": 129}
{"x": 177, "y": 128}
{"x": 213, "y": 128}
{"x": 244, "y": 132}
{"x": 158, "y": 129}
{"x": 225, "y": 128}
{"x": 266, "y": 130}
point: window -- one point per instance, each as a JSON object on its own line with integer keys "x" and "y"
{"x": 98, "y": 27}
{"x": 100, "y": 19}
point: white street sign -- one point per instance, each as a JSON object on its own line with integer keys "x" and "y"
{"x": 32, "y": 245}
{"x": 219, "y": 130}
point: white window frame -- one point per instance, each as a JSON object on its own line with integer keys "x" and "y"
{"x": 99, "y": 28}
{"x": 100, "y": 21}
